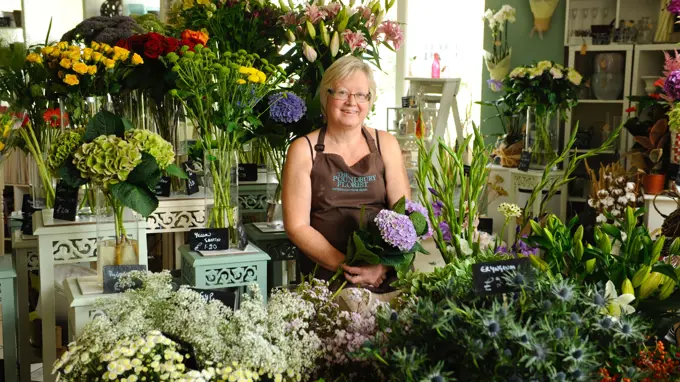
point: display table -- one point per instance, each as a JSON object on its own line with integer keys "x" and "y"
{"x": 9, "y": 339}
{"x": 654, "y": 217}
{"x": 81, "y": 306}
{"x": 283, "y": 253}
{"x": 252, "y": 201}
{"x": 225, "y": 271}
{"x": 63, "y": 242}
{"x": 25, "y": 256}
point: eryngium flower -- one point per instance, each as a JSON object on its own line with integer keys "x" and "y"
{"x": 286, "y": 107}
{"x": 396, "y": 229}
{"x": 107, "y": 160}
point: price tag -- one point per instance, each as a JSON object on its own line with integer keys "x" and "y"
{"x": 163, "y": 187}
{"x": 209, "y": 239}
{"x": 192, "y": 182}
{"x": 490, "y": 278}
{"x": 524, "y": 161}
{"x": 226, "y": 297}
{"x": 247, "y": 172}
{"x": 113, "y": 273}
{"x": 65, "y": 202}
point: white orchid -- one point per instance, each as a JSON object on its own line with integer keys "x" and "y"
{"x": 617, "y": 305}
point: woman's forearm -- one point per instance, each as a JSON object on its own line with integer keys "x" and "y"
{"x": 316, "y": 247}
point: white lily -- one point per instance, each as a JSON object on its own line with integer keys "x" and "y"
{"x": 617, "y": 305}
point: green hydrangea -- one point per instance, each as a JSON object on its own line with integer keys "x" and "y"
{"x": 62, "y": 148}
{"x": 107, "y": 160}
{"x": 153, "y": 144}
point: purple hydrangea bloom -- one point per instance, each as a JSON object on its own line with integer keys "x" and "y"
{"x": 396, "y": 229}
{"x": 672, "y": 85}
{"x": 286, "y": 107}
{"x": 446, "y": 231}
{"x": 437, "y": 207}
{"x": 674, "y": 6}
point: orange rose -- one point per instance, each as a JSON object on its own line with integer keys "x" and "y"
{"x": 197, "y": 37}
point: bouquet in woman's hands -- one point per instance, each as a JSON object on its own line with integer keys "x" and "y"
{"x": 392, "y": 238}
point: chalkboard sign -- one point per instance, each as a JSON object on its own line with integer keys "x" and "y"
{"x": 247, "y": 172}
{"x": 27, "y": 211}
{"x": 524, "y": 161}
{"x": 209, "y": 239}
{"x": 113, "y": 273}
{"x": 65, "y": 202}
{"x": 163, "y": 187}
{"x": 226, "y": 297}
{"x": 466, "y": 170}
{"x": 677, "y": 177}
{"x": 192, "y": 182}
{"x": 485, "y": 225}
{"x": 489, "y": 278}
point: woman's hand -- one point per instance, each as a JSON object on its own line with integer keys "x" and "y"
{"x": 371, "y": 275}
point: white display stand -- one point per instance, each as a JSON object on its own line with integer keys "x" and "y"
{"x": 25, "y": 253}
{"x": 81, "y": 305}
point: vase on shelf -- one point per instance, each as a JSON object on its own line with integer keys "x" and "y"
{"x": 649, "y": 83}
{"x": 607, "y": 80}
{"x": 41, "y": 183}
{"x": 275, "y": 162}
{"x": 541, "y": 136}
{"x": 117, "y": 230}
{"x": 221, "y": 183}
{"x": 168, "y": 121}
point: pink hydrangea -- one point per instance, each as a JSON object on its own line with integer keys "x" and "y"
{"x": 355, "y": 39}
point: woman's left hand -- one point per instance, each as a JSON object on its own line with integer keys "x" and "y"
{"x": 371, "y": 275}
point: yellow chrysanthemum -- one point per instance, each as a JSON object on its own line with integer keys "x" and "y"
{"x": 243, "y": 70}
{"x": 95, "y": 45}
{"x": 65, "y": 63}
{"x": 188, "y": 4}
{"x": 80, "y": 68}
{"x": 137, "y": 59}
{"x": 34, "y": 58}
{"x": 92, "y": 69}
{"x": 109, "y": 63}
{"x": 47, "y": 50}
{"x": 121, "y": 54}
{"x": 71, "y": 79}
{"x": 96, "y": 56}
{"x": 87, "y": 53}
{"x": 63, "y": 45}
{"x": 261, "y": 76}
{"x": 253, "y": 78}
{"x": 240, "y": 81}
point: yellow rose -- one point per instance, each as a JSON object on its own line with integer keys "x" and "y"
{"x": 74, "y": 56}
{"x": 47, "y": 50}
{"x": 92, "y": 69}
{"x": 34, "y": 58}
{"x": 261, "y": 76}
{"x": 55, "y": 53}
{"x": 63, "y": 45}
{"x": 87, "y": 53}
{"x": 137, "y": 59}
{"x": 188, "y": 4}
{"x": 71, "y": 79}
{"x": 106, "y": 48}
{"x": 8, "y": 128}
{"x": 66, "y": 63}
{"x": 544, "y": 65}
{"x": 109, "y": 63}
{"x": 240, "y": 81}
{"x": 120, "y": 53}
{"x": 80, "y": 68}
{"x": 96, "y": 56}
{"x": 95, "y": 45}
{"x": 253, "y": 78}
{"x": 574, "y": 77}
{"x": 2, "y": 146}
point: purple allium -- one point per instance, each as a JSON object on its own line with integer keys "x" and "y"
{"x": 286, "y": 107}
{"x": 672, "y": 85}
{"x": 446, "y": 231}
{"x": 674, "y": 6}
{"x": 437, "y": 207}
{"x": 412, "y": 207}
{"x": 396, "y": 229}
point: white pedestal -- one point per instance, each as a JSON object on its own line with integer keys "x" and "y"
{"x": 81, "y": 305}
{"x": 25, "y": 253}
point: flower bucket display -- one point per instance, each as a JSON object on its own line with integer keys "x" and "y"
{"x": 542, "y": 137}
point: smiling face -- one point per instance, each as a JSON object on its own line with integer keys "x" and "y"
{"x": 348, "y": 113}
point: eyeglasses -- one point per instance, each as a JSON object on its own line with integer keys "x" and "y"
{"x": 343, "y": 95}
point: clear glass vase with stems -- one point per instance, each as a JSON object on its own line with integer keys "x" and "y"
{"x": 541, "y": 136}
{"x": 275, "y": 161}
{"x": 169, "y": 122}
{"x": 135, "y": 107}
{"x": 221, "y": 182}
{"x": 117, "y": 230}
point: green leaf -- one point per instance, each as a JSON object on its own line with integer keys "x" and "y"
{"x": 400, "y": 206}
{"x": 667, "y": 270}
{"x": 136, "y": 198}
{"x": 611, "y": 230}
{"x": 419, "y": 248}
{"x": 394, "y": 260}
{"x": 71, "y": 175}
{"x": 405, "y": 266}
{"x": 127, "y": 124}
{"x": 146, "y": 173}
{"x": 174, "y": 170}
{"x": 362, "y": 252}
{"x": 104, "y": 123}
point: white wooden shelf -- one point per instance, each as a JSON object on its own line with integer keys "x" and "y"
{"x": 577, "y": 199}
{"x": 657, "y": 47}
{"x": 609, "y": 101}
{"x": 602, "y": 48}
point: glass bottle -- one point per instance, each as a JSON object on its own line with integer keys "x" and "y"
{"x": 436, "y": 68}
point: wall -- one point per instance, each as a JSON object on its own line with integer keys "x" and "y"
{"x": 525, "y": 49}
{"x": 65, "y": 14}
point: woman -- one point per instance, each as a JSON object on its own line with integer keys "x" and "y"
{"x": 333, "y": 172}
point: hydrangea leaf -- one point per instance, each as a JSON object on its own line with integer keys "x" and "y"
{"x": 104, "y": 123}
{"x": 127, "y": 125}
{"x": 146, "y": 173}
{"x": 362, "y": 253}
{"x": 174, "y": 170}
{"x": 70, "y": 174}
{"x": 400, "y": 206}
{"x": 137, "y": 198}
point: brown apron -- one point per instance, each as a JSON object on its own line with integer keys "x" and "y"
{"x": 339, "y": 192}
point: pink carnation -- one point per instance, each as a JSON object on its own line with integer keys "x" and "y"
{"x": 314, "y": 14}
{"x": 355, "y": 39}
{"x": 391, "y": 31}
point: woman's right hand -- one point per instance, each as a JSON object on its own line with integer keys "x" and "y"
{"x": 369, "y": 275}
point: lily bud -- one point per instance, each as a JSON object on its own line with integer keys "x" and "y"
{"x": 290, "y": 36}
{"x": 627, "y": 287}
{"x": 578, "y": 250}
{"x": 311, "y": 30}
{"x": 590, "y": 265}
{"x": 536, "y": 228}
{"x": 283, "y": 6}
{"x": 667, "y": 290}
{"x": 335, "y": 44}
{"x": 641, "y": 275}
{"x": 650, "y": 285}
{"x": 539, "y": 263}
{"x": 351, "y": 3}
{"x": 309, "y": 52}
{"x": 656, "y": 249}
{"x": 324, "y": 33}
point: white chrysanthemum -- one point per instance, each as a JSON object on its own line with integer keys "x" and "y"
{"x": 510, "y": 210}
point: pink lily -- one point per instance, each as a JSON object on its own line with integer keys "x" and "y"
{"x": 354, "y": 39}
{"x": 314, "y": 13}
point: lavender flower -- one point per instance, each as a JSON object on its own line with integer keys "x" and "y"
{"x": 412, "y": 207}
{"x": 396, "y": 229}
{"x": 674, "y": 6}
{"x": 446, "y": 231}
{"x": 672, "y": 85}
{"x": 286, "y": 107}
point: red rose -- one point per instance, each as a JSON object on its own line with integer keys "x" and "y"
{"x": 171, "y": 44}
{"x": 123, "y": 43}
{"x": 154, "y": 46}
{"x": 136, "y": 43}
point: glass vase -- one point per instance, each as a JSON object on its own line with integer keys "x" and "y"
{"x": 168, "y": 122}
{"x": 275, "y": 161}
{"x": 76, "y": 112}
{"x": 541, "y": 137}
{"x": 117, "y": 232}
{"x": 42, "y": 184}
{"x": 221, "y": 185}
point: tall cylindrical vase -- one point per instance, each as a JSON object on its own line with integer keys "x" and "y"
{"x": 168, "y": 122}
{"x": 221, "y": 181}
{"x": 117, "y": 232}
{"x": 541, "y": 137}
{"x": 274, "y": 171}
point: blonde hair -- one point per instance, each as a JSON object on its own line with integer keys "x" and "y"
{"x": 341, "y": 69}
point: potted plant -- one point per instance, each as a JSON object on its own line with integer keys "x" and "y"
{"x": 509, "y": 145}
{"x": 648, "y": 157}
{"x": 498, "y": 60}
